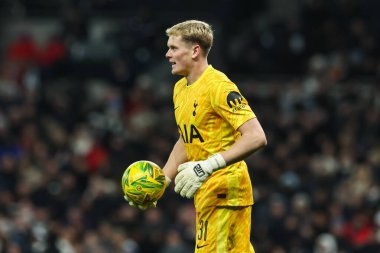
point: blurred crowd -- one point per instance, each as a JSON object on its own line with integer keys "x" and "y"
{"x": 79, "y": 106}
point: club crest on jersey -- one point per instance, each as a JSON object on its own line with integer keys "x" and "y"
{"x": 195, "y": 108}
{"x": 235, "y": 101}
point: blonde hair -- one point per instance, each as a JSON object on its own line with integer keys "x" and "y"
{"x": 195, "y": 32}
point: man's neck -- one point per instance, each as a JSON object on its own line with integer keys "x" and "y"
{"x": 196, "y": 73}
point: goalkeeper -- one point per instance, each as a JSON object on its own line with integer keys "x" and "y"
{"x": 217, "y": 129}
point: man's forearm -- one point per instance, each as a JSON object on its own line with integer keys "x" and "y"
{"x": 176, "y": 157}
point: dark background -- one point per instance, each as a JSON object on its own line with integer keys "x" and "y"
{"x": 85, "y": 90}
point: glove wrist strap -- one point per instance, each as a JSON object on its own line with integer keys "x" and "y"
{"x": 217, "y": 161}
{"x": 168, "y": 181}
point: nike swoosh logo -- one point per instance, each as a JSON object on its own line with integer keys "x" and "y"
{"x": 201, "y": 246}
{"x": 175, "y": 108}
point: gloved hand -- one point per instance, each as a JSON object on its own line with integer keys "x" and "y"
{"x": 192, "y": 174}
{"x": 148, "y": 205}
{"x": 141, "y": 207}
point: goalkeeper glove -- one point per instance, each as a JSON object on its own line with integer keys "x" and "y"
{"x": 192, "y": 174}
{"x": 147, "y": 205}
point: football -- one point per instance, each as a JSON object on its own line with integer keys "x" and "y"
{"x": 143, "y": 182}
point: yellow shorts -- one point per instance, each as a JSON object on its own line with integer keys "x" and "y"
{"x": 223, "y": 229}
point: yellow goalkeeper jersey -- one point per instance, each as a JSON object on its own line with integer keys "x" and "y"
{"x": 208, "y": 114}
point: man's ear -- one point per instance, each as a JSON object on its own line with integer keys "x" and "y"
{"x": 196, "y": 51}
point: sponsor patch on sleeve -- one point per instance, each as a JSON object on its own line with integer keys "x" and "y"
{"x": 235, "y": 101}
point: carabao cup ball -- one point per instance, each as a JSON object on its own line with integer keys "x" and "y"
{"x": 143, "y": 182}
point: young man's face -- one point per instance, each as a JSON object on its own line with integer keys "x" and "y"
{"x": 179, "y": 55}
